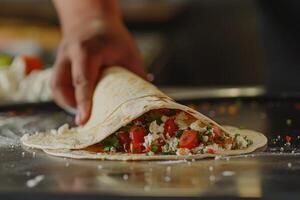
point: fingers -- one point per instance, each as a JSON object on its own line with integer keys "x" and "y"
{"x": 85, "y": 74}
{"x": 61, "y": 83}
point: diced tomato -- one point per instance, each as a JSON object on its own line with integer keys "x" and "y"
{"x": 32, "y": 63}
{"x": 163, "y": 110}
{"x": 140, "y": 119}
{"x": 123, "y": 137}
{"x": 170, "y": 127}
{"x": 137, "y": 134}
{"x": 188, "y": 139}
{"x": 160, "y": 144}
{"x": 210, "y": 151}
{"x": 136, "y": 147}
{"x": 217, "y": 132}
{"x": 228, "y": 141}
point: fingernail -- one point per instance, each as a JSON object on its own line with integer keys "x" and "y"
{"x": 80, "y": 114}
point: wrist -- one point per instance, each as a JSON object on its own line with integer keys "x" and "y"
{"x": 77, "y": 14}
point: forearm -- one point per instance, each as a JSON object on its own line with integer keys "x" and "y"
{"x": 75, "y": 12}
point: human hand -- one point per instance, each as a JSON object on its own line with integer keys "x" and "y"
{"x": 84, "y": 52}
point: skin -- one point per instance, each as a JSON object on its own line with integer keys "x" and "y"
{"x": 94, "y": 37}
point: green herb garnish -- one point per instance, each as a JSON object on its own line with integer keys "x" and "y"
{"x": 127, "y": 127}
{"x": 153, "y": 116}
{"x": 178, "y": 133}
{"x": 200, "y": 137}
{"x": 110, "y": 142}
{"x": 154, "y": 147}
{"x": 236, "y": 135}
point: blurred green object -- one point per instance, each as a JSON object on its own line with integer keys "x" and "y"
{"x": 5, "y": 60}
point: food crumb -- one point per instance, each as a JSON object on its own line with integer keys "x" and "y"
{"x": 100, "y": 167}
{"x": 35, "y": 181}
{"x": 147, "y": 188}
{"x": 125, "y": 177}
{"x": 167, "y": 178}
{"x": 228, "y": 173}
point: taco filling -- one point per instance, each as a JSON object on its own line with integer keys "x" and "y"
{"x": 170, "y": 132}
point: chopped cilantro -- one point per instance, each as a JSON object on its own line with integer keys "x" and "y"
{"x": 200, "y": 137}
{"x": 153, "y": 116}
{"x": 236, "y": 135}
{"x": 110, "y": 142}
{"x": 209, "y": 143}
{"x": 209, "y": 127}
{"x": 106, "y": 148}
{"x": 127, "y": 127}
{"x": 178, "y": 133}
{"x": 249, "y": 142}
{"x": 154, "y": 147}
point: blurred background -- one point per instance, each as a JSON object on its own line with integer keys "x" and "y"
{"x": 183, "y": 42}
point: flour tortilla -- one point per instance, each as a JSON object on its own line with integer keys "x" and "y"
{"x": 259, "y": 141}
{"x": 119, "y": 98}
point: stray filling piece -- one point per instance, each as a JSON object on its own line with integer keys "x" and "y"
{"x": 170, "y": 132}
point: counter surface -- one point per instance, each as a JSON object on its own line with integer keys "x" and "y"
{"x": 272, "y": 173}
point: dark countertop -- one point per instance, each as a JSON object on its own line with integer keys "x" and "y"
{"x": 271, "y": 174}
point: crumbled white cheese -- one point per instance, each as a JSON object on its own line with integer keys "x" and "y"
{"x": 205, "y": 138}
{"x": 171, "y": 145}
{"x": 198, "y": 149}
{"x": 180, "y": 120}
{"x": 150, "y": 138}
{"x": 25, "y": 137}
{"x": 196, "y": 126}
{"x": 242, "y": 143}
{"x": 164, "y": 118}
{"x": 214, "y": 147}
{"x": 228, "y": 146}
{"x": 113, "y": 149}
{"x": 183, "y": 152}
{"x": 155, "y": 128}
{"x": 63, "y": 129}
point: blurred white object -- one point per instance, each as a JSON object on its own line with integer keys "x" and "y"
{"x": 35, "y": 87}
{"x": 16, "y": 86}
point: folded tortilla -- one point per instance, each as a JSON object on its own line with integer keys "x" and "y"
{"x": 119, "y": 98}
